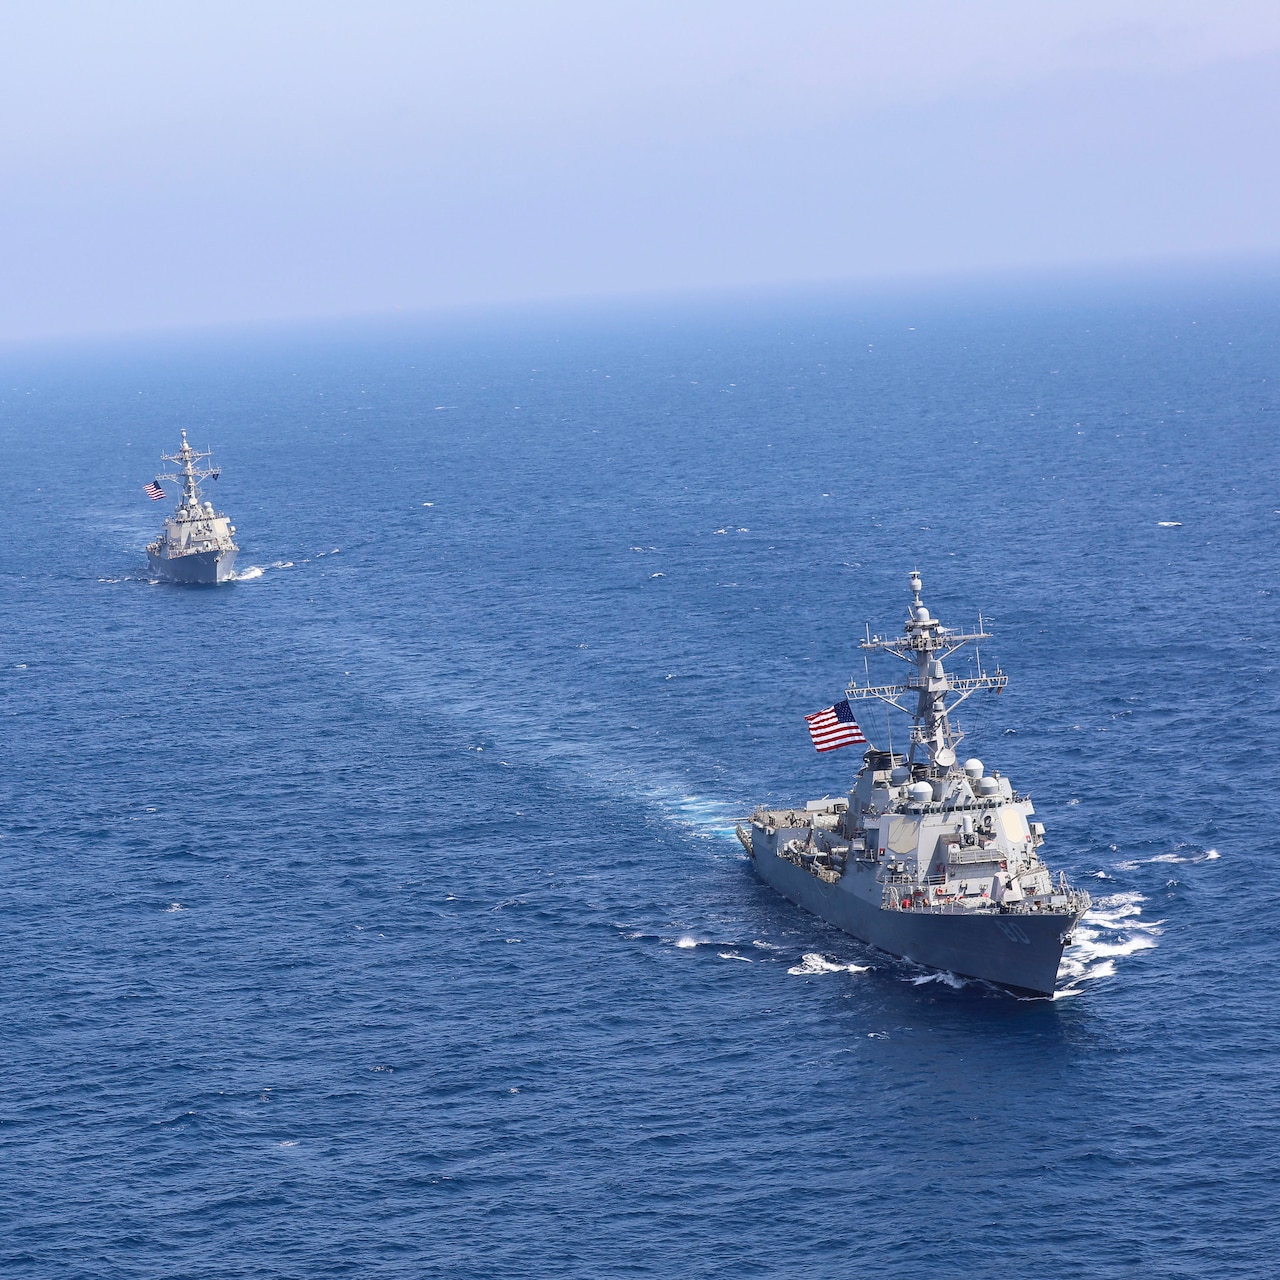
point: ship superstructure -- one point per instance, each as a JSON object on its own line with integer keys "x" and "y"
{"x": 197, "y": 543}
{"x": 927, "y": 858}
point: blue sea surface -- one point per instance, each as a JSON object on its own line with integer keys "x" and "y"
{"x": 380, "y": 914}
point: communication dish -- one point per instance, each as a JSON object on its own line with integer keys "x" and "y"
{"x": 945, "y": 756}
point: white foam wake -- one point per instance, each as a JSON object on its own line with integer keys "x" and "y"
{"x": 812, "y": 962}
{"x": 952, "y": 980}
{"x": 1109, "y": 931}
{"x": 1209, "y": 855}
{"x": 708, "y": 819}
{"x": 255, "y": 571}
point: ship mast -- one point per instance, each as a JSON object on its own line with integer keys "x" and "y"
{"x": 188, "y": 474}
{"x": 925, "y": 645}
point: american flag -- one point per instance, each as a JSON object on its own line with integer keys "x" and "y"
{"x": 153, "y": 491}
{"x": 834, "y": 727}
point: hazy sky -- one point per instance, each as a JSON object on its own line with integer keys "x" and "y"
{"x": 180, "y": 162}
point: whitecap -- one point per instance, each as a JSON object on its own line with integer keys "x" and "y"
{"x": 174, "y": 906}
{"x": 1210, "y": 856}
{"x": 1169, "y": 524}
{"x": 812, "y": 962}
{"x": 686, "y": 943}
{"x": 733, "y": 955}
{"x": 249, "y": 574}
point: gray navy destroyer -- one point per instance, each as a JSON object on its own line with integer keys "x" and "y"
{"x": 196, "y": 545}
{"x": 928, "y": 859}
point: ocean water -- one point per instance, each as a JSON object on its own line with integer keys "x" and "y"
{"x": 380, "y": 915}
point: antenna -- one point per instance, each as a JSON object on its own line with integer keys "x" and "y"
{"x": 924, "y": 645}
{"x": 188, "y": 473}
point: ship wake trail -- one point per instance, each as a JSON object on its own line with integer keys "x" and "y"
{"x": 704, "y": 818}
{"x": 1109, "y": 931}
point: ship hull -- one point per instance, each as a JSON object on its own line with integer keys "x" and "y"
{"x": 200, "y": 569}
{"x": 1019, "y": 951}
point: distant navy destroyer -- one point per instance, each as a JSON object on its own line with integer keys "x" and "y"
{"x": 927, "y": 859}
{"x": 195, "y": 546}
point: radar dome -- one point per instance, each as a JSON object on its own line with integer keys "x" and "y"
{"x": 973, "y": 769}
{"x": 920, "y": 792}
{"x": 922, "y": 614}
{"x": 900, "y": 775}
{"x": 988, "y": 787}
